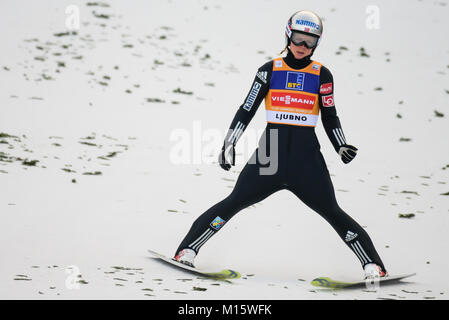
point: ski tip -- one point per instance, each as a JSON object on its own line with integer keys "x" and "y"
{"x": 328, "y": 283}
{"x": 153, "y": 252}
{"x": 233, "y": 274}
{"x": 224, "y": 274}
{"x": 319, "y": 282}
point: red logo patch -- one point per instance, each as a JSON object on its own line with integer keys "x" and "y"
{"x": 295, "y": 100}
{"x": 328, "y": 101}
{"x": 326, "y": 88}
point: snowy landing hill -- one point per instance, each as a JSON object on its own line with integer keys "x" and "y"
{"x": 94, "y": 96}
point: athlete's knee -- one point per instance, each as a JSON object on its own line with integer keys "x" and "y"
{"x": 224, "y": 209}
{"x": 335, "y": 216}
{"x": 329, "y": 210}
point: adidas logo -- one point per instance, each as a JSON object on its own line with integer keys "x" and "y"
{"x": 350, "y": 236}
{"x": 262, "y": 75}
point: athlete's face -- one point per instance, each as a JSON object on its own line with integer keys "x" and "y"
{"x": 299, "y": 52}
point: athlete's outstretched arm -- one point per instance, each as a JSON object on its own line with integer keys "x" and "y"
{"x": 329, "y": 117}
{"x": 245, "y": 113}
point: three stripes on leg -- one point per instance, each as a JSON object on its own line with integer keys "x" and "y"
{"x": 360, "y": 253}
{"x": 196, "y": 245}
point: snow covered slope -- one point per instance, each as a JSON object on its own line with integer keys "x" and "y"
{"x": 90, "y": 121}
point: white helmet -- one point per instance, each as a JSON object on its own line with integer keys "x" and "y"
{"x": 304, "y": 22}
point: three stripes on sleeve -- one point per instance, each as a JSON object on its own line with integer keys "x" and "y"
{"x": 339, "y": 136}
{"x": 236, "y": 133}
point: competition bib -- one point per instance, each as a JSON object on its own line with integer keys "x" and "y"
{"x": 293, "y": 95}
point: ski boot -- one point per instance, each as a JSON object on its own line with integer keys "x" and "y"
{"x": 186, "y": 256}
{"x": 373, "y": 271}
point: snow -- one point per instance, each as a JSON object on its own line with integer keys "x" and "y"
{"x": 64, "y": 102}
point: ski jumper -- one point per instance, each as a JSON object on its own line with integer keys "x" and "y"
{"x": 294, "y": 91}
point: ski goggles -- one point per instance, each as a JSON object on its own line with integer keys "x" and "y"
{"x": 299, "y": 39}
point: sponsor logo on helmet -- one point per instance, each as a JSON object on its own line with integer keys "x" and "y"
{"x": 288, "y": 30}
{"x": 328, "y": 101}
{"x": 217, "y": 223}
{"x": 295, "y": 100}
{"x": 295, "y": 81}
{"x": 307, "y": 23}
{"x": 326, "y": 88}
